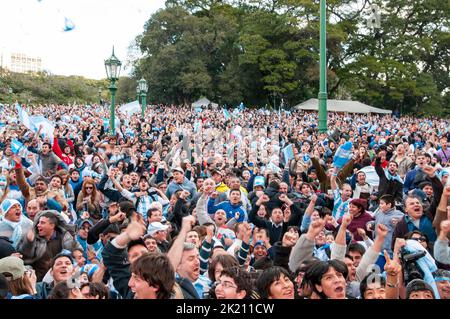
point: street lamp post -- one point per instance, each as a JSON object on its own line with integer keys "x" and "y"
{"x": 323, "y": 68}
{"x": 10, "y": 91}
{"x": 100, "y": 96}
{"x": 138, "y": 94}
{"x": 112, "y": 66}
{"x": 143, "y": 87}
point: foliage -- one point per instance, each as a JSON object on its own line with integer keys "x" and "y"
{"x": 255, "y": 51}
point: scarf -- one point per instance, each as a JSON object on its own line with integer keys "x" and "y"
{"x": 426, "y": 264}
{"x": 17, "y": 231}
{"x": 391, "y": 177}
{"x": 321, "y": 252}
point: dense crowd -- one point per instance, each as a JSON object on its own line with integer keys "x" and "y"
{"x": 225, "y": 204}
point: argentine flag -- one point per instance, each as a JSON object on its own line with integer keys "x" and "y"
{"x": 23, "y": 117}
{"x": 16, "y": 146}
{"x": 226, "y": 114}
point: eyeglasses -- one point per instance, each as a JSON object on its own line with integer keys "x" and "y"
{"x": 225, "y": 284}
{"x": 420, "y": 239}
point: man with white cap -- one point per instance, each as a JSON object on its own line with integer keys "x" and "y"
{"x": 13, "y": 224}
{"x": 158, "y": 231}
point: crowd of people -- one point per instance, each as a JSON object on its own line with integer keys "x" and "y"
{"x": 222, "y": 204}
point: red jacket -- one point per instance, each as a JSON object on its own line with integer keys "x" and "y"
{"x": 358, "y": 222}
{"x": 57, "y": 150}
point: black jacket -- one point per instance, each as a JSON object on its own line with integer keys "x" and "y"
{"x": 392, "y": 187}
{"x": 281, "y": 255}
{"x": 113, "y": 195}
{"x": 275, "y": 232}
{"x": 187, "y": 288}
{"x": 116, "y": 261}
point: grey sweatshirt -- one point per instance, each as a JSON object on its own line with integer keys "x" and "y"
{"x": 386, "y": 219}
{"x": 302, "y": 251}
{"x": 442, "y": 251}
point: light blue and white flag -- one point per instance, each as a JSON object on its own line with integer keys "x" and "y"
{"x": 23, "y": 117}
{"x": 16, "y": 146}
{"x": 226, "y": 114}
{"x": 106, "y": 123}
{"x": 130, "y": 108}
{"x": 288, "y": 153}
{"x": 47, "y": 126}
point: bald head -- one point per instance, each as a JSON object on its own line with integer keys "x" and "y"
{"x": 33, "y": 208}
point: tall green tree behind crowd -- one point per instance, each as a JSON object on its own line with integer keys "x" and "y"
{"x": 260, "y": 52}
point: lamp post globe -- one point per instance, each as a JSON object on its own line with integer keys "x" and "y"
{"x": 112, "y": 66}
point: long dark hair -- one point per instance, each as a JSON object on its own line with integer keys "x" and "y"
{"x": 267, "y": 277}
{"x": 315, "y": 272}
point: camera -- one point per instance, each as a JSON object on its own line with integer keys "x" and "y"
{"x": 411, "y": 270}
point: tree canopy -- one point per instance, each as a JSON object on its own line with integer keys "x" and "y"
{"x": 259, "y": 52}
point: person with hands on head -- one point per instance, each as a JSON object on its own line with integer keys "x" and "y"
{"x": 143, "y": 198}
{"x": 115, "y": 219}
{"x": 275, "y": 223}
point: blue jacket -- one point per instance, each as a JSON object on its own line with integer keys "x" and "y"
{"x": 229, "y": 209}
{"x": 412, "y": 179}
{"x": 186, "y": 185}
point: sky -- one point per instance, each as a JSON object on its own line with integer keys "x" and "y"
{"x": 35, "y": 27}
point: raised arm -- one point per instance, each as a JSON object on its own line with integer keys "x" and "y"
{"x": 339, "y": 247}
{"x": 308, "y": 212}
{"x": 441, "y": 249}
{"x": 176, "y": 251}
{"x": 371, "y": 255}
{"x": 303, "y": 249}
{"x": 321, "y": 175}
{"x": 20, "y": 178}
{"x": 333, "y": 179}
{"x": 441, "y": 212}
{"x": 253, "y": 217}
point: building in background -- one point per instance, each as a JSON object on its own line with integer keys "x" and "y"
{"x": 22, "y": 63}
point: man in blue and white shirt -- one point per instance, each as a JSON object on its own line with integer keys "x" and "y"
{"x": 143, "y": 198}
{"x": 341, "y": 197}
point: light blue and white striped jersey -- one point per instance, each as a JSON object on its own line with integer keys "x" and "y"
{"x": 340, "y": 207}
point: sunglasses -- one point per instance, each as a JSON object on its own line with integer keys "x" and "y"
{"x": 89, "y": 187}
{"x": 420, "y": 239}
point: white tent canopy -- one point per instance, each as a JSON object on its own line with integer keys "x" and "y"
{"x": 204, "y": 102}
{"x": 341, "y": 106}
